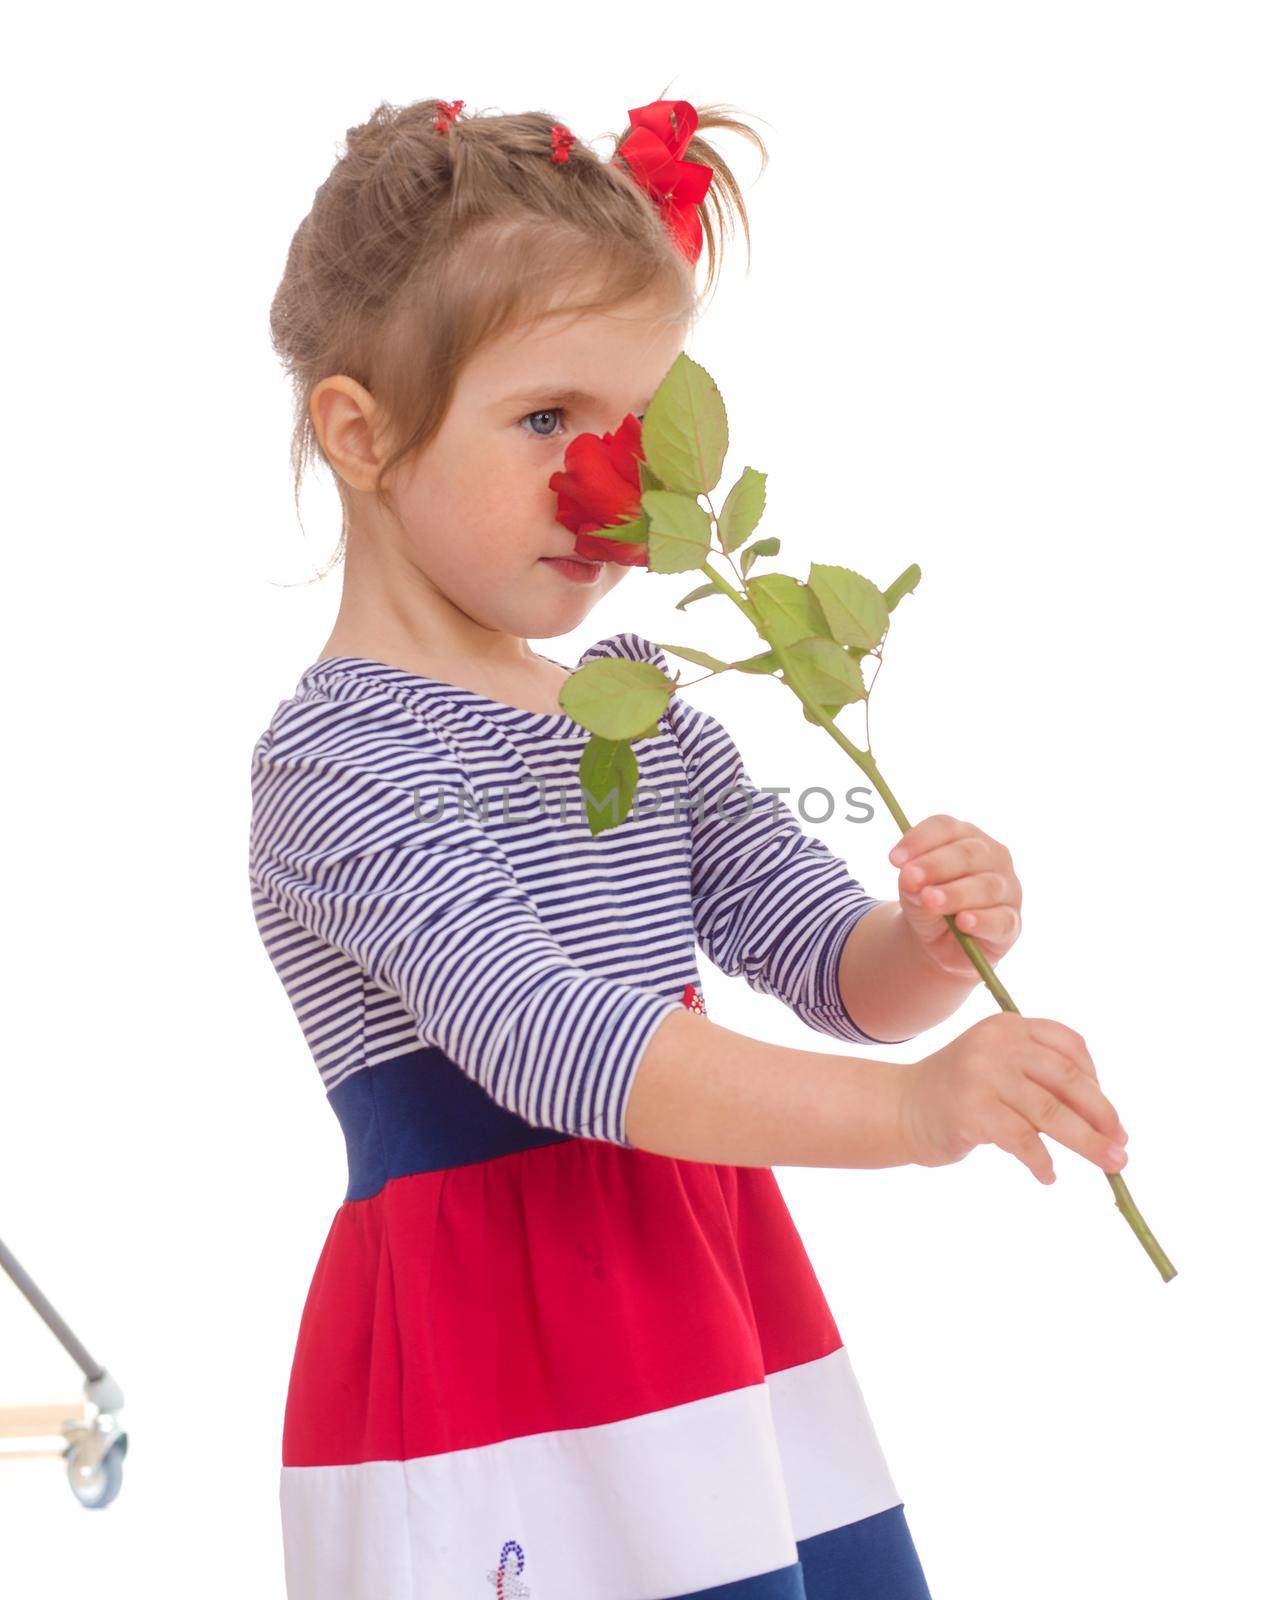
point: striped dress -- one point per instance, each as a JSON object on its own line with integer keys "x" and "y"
{"x": 535, "y": 1360}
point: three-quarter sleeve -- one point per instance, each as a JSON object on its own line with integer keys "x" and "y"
{"x": 771, "y": 903}
{"x": 374, "y": 842}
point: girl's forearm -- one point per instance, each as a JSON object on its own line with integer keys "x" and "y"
{"x": 889, "y": 986}
{"x": 705, "y": 1093}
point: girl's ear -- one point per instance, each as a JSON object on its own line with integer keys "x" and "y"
{"x": 348, "y": 427}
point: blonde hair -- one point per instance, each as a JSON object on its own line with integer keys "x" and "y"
{"x": 423, "y": 245}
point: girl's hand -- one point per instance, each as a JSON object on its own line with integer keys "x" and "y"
{"x": 949, "y": 866}
{"x": 1005, "y": 1081}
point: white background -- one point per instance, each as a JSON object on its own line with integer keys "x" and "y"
{"x": 1011, "y": 313}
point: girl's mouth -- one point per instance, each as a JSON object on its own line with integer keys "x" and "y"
{"x": 575, "y": 570}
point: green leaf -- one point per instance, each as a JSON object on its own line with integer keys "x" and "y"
{"x": 788, "y": 609}
{"x": 698, "y": 656}
{"x": 700, "y": 593}
{"x": 765, "y": 662}
{"x": 608, "y": 773}
{"x": 624, "y": 532}
{"x": 853, "y": 606}
{"x": 649, "y": 479}
{"x": 762, "y": 547}
{"x": 679, "y": 531}
{"x": 825, "y": 672}
{"x": 903, "y": 584}
{"x": 615, "y": 698}
{"x": 743, "y": 507}
{"x": 685, "y": 432}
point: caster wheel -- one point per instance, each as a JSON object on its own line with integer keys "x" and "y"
{"x": 99, "y": 1487}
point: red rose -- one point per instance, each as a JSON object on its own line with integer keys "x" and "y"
{"x": 600, "y": 488}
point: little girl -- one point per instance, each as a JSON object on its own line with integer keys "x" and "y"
{"x": 563, "y": 1340}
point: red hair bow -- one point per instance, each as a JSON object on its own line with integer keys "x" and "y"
{"x": 653, "y": 153}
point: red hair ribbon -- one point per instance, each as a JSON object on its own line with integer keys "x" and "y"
{"x": 448, "y": 112}
{"x": 562, "y": 141}
{"x": 653, "y": 153}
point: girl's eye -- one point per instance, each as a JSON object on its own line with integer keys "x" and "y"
{"x": 553, "y": 411}
{"x": 538, "y": 433}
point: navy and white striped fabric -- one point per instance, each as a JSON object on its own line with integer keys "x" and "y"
{"x": 422, "y": 873}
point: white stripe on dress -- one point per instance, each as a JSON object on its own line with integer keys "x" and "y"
{"x": 719, "y": 1489}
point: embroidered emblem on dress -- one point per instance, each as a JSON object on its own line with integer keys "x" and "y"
{"x": 505, "y": 1578}
{"x": 693, "y": 999}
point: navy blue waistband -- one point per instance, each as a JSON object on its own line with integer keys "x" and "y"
{"x": 421, "y": 1113}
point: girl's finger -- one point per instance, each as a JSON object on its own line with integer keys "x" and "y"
{"x": 1016, "y": 1135}
{"x": 925, "y": 835}
{"x": 1047, "y": 1030}
{"x": 980, "y": 889}
{"x": 1080, "y": 1089}
{"x": 969, "y": 852}
{"x": 1047, "y": 1093}
{"x": 998, "y": 923}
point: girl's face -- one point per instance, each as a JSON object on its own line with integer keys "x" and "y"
{"x": 479, "y": 518}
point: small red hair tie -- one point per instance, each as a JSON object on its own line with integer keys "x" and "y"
{"x": 562, "y": 141}
{"x": 449, "y": 110}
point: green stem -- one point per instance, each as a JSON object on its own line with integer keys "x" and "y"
{"x": 974, "y": 951}
{"x": 743, "y": 604}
